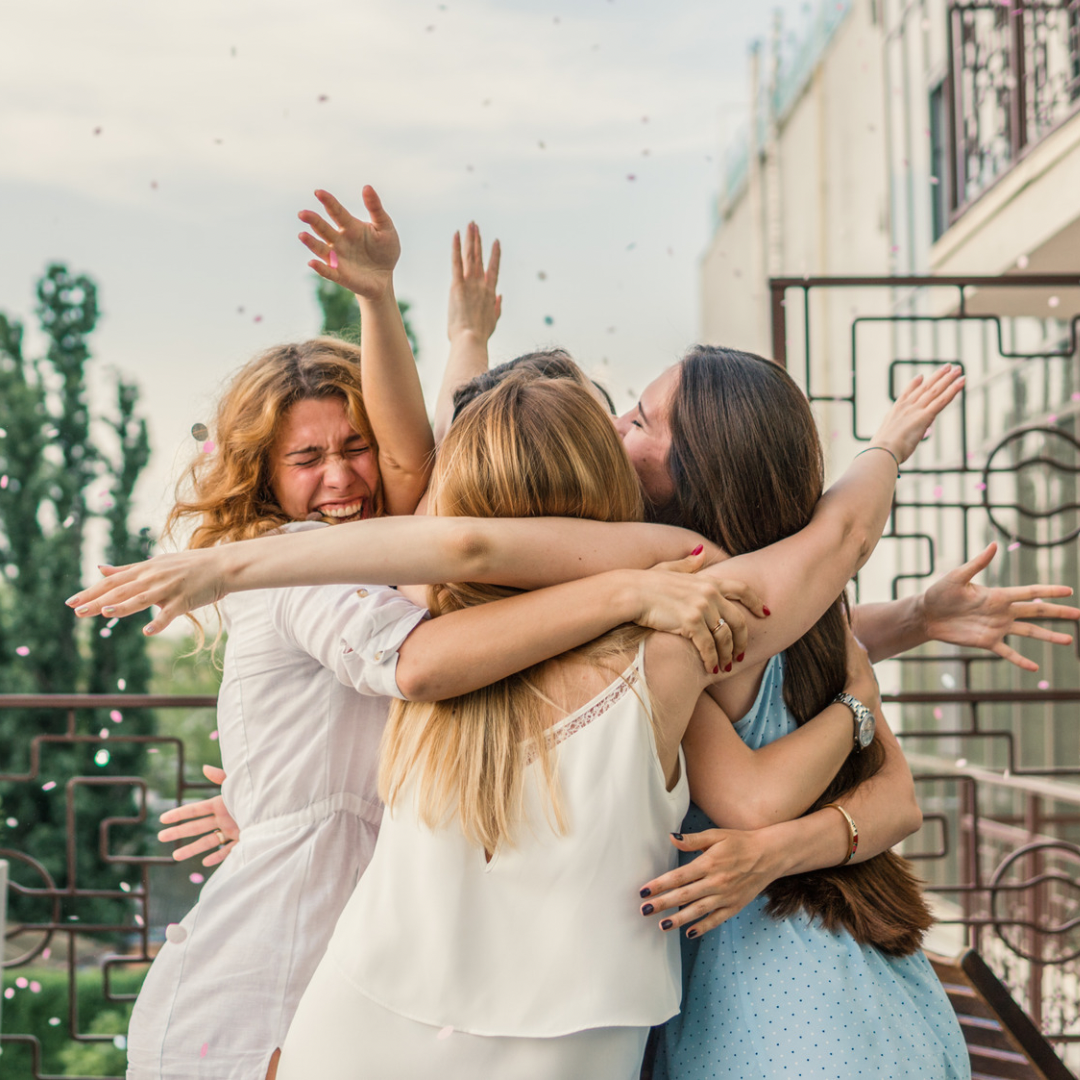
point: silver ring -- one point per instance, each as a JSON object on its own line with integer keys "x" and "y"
{"x": 717, "y": 626}
{"x": 222, "y": 839}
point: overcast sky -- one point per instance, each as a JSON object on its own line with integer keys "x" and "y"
{"x": 165, "y": 149}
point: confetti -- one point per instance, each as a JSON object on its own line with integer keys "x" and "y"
{"x": 121, "y": 684}
{"x": 934, "y": 180}
{"x": 21, "y": 983}
{"x": 445, "y": 1033}
{"x": 153, "y": 750}
{"x": 3, "y": 433}
{"x": 11, "y": 822}
{"x": 35, "y": 987}
{"x": 103, "y": 733}
{"x": 208, "y": 447}
{"x": 961, "y": 762}
{"x": 630, "y": 176}
{"x": 1022, "y": 262}
{"x": 980, "y": 486}
{"x": 213, "y": 736}
{"x": 54, "y": 1021}
{"x": 938, "y": 714}
{"x": 258, "y": 318}
{"x": 153, "y": 185}
{"x": 3, "y": 481}
{"x": 48, "y": 786}
{"x": 1054, "y": 301}
{"x": 139, "y": 921}
{"x": 548, "y": 320}
{"x": 323, "y": 97}
{"x": 200, "y": 432}
{"x": 948, "y": 681}
{"x": 120, "y": 1042}
{"x": 196, "y": 879}
{"x": 101, "y": 758}
{"x": 69, "y": 521}
{"x": 105, "y": 632}
{"x": 1014, "y": 545}
{"x": 175, "y": 933}
{"x": 333, "y": 259}
{"x": 205, "y": 1050}
{"x": 541, "y": 275}
{"x": 938, "y": 491}
{"x": 97, "y": 131}
{"x": 9, "y": 993}
{"x": 23, "y": 650}
{"x": 46, "y": 953}
{"x": 1043, "y": 684}
{"x": 125, "y": 887}
{"x": 1052, "y": 418}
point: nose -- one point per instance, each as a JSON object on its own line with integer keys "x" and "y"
{"x": 622, "y": 424}
{"x": 336, "y": 472}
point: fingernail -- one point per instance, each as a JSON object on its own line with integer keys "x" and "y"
{"x": 691, "y": 933}
{"x": 82, "y": 610}
{"x": 108, "y": 610}
{"x": 698, "y": 550}
{"x": 147, "y": 630}
{"x": 739, "y": 658}
{"x": 644, "y": 893}
{"x": 677, "y": 835}
{"x": 72, "y": 600}
{"x": 716, "y": 670}
{"x": 728, "y": 668}
{"x": 646, "y": 909}
{"x": 766, "y": 610}
{"x": 666, "y": 924}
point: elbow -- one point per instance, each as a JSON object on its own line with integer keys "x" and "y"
{"x": 413, "y": 683}
{"x": 858, "y": 540}
{"x": 913, "y": 816}
{"x": 470, "y": 548}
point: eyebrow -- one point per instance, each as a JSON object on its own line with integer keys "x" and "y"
{"x": 319, "y": 449}
{"x": 641, "y": 411}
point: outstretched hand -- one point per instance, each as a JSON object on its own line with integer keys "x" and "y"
{"x": 208, "y": 820}
{"x": 359, "y": 255}
{"x": 475, "y": 305}
{"x": 915, "y": 409}
{"x": 958, "y": 611}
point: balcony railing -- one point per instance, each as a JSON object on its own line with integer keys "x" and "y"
{"x": 1014, "y": 77}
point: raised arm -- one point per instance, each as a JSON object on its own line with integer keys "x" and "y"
{"x": 957, "y": 611}
{"x": 802, "y": 575}
{"x": 361, "y": 256}
{"x": 474, "y": 310}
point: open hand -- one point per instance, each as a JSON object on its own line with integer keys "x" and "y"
{"x": 958, "y": 611}
{"x": 176, "y": 583}
{"x": 475, "y": 305}
{"x": 733, "y": 868}
{"x": 915, "y": 409}
{"x": 360, "y": 255}
{"x": 208, "y": 820}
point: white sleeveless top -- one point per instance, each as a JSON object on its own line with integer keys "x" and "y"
{"x": 547, "y": 938}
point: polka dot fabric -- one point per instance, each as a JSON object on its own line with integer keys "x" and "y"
{"x": 766, "y": 998}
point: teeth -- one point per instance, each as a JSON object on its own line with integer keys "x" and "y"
{"x": 342, "y": 511}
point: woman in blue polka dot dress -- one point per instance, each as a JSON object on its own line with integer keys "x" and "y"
{"x": 821, "y": 976}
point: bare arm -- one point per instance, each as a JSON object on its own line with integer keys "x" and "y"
{"x": 802, "y": 575}
{"x": 361, "y": 256}
{"x": 958, "y": 611}
{"x": 474, "y": 311}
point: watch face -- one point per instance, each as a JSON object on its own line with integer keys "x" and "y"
{"x": 866, "y": 730}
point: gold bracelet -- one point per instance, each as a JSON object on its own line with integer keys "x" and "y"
{"x": 852, "y": 828}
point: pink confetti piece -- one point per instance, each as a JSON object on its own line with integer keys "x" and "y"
{"x": 103, "y": 733}
{"x": 153, "y": 750}
{"x": 48, "y": 786}
{"x": 204, "y": 1050}
{"x": 934, "y": 180}
{"x": 1075, "y": 395}
{"x": 208, "y": 447}
{"x": 1052, "y": 418}
{"x": 121, "y": 684}
{"x": 323, "y": 97}
{"x": 1043, "y": 684}
{"x": 3, "y": 481}
{"x": 1054, "y": 301}
{"x": 11, "y": 822}
{"x": 333, "y": 259}
{"x": 46, "y": 953}
{"x": 153, "y": 185}
{"x": 97, "y": 131}
{"x": 105, "y": 632}
{"x": 1022, "y": 262}
{"x": 196, "y": 879}
{"x": 139, "y": 920}
{"x": 938, "y": 714}
{"x": 445, "y": 1033}
{"x": 35, "y": 987}
{"x": 23, "y": 650}
{"x": 961, "y": 762}
{"x": 21, "y": 983}
{"x": 938, "y": 492}
{"x": 9, "y": 993}
{"x": 54, "y": 1021}
{"x": 1014, "y": 545}
{"x": 116, "y": 716}
{"x": 213, "y": 736}
{"x": 980, "y": 486}
{"x": 630, "y": 176}
{"x": 258, "y": 318}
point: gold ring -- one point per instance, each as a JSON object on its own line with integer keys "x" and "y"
{"x": 221, "y": 837}
{"x": 717, "y": 626}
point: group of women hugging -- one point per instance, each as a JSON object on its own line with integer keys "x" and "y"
{"x": 561, "y": 735}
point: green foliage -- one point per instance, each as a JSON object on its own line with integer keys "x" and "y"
{"x": 341, "y": 313}
{"x": 30, "y": 1013}
{"x": 52, "y": 462}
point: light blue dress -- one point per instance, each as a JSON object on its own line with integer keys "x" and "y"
{"x": 766, "y": 998}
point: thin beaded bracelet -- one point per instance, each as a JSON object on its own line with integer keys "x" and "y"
{"x": 887, "y": 451}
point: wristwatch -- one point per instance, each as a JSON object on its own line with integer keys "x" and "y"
{"x": 864, "y": 719}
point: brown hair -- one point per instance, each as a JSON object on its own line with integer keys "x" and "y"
{"x": 748, "y": 470}
{"x": 228, "y": 493}
{"x": 545, "y": 364}
{"x": 527, "y": 448}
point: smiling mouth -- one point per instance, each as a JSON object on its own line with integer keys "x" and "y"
{"x": 352, "y": 511}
